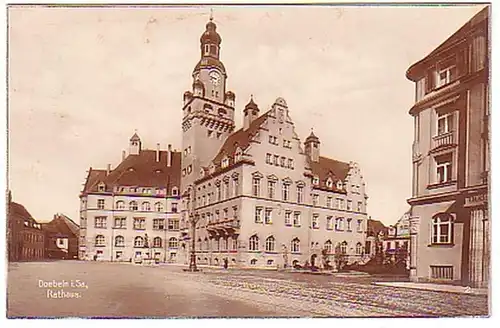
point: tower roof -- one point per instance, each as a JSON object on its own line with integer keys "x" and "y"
{"x": 251, "y": 104}
{"x": 210, "y": 35}
{"x": 312, "y": 138}
{"x": 135, "y": 137}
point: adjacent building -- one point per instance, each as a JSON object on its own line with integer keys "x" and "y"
{"x": 375, "y": 233}
{"x": 25, "y": 237}
{"x": 131, "y": 213}
{"x": 61, "y": 238}
{"x": 396, "y": 242}
{"x": 450, "y": 221}
{"x": 260, "y": 197}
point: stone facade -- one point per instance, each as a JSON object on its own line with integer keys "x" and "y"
{"x": 449, "y": 215}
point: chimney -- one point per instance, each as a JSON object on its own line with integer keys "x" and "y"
{"x": 108, "y": 170}
{"x": 157, "y": 152}
{"x": 169, "y": 156}
{"x": 124, "y": 154}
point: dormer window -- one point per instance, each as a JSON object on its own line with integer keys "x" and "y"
{"x": 339, "y": 184}
{"x": 101, "y": 187}
{"x": 329, "y": 183}
{"x": 315, "y": 181}
{"x": 225, "y": 162}
{"x": 175, "y": 191}
{"x": 202, "y": 173}
{"x": 238, "y": 155}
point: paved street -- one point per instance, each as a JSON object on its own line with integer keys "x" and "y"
{"x": 124, "y": 290}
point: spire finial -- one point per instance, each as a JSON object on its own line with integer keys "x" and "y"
{"x": 251, "y": 96}
{"x": 211, "y": 14}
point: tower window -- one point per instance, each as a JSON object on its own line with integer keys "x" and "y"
{"x": 207, "y": 49}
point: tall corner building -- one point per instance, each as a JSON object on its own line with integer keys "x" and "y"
{"x": 450, "y": 221}
{"x": 258, "y": 195}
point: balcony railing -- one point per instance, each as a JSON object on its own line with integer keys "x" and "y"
{"x": 445, "y": 139}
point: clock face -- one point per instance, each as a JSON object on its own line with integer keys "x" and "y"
{"x": 215, "y": 77}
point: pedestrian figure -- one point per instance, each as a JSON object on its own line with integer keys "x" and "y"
{"x": 226, "y": 263}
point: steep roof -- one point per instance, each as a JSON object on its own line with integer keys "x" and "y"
{"x": 326, "y": 167}
{"x": 61, "y": 224}
{"x": 139, "y": 170}
{"x": 18, "y": 211}
{"x": 240, "y": 138}
{"x": 374, "y": 227}
{"x": 454, "y": 39}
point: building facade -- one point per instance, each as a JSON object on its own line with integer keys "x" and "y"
{"x": 450, "y": 223}
{"x": 131, "y": 213}
{"x": 25, "y": 237}
{"x": 258, "y": 196}
{"x": 61, "y": 238}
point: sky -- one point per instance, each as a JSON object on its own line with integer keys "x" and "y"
{"x": 82, "y": 80}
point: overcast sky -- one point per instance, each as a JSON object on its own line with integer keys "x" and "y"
{"x": 81, "y": 80}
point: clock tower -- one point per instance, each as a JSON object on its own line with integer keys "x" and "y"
{"x": 208, "y": 112}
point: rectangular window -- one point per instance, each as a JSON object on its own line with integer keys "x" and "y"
{"x": 276, "y": 159}
{"x": 235, "y": 187}
{"x": 315, "y": 200}
{"x": 282, "y": 161}
{"x": 288, "y": 218}
{"x": 349, "y": 205}
{"x": 444, "y": 272}
{"x": 329, "y": 223}
{"x": 446, "y": 75}
{"x": 300, "y": 193}
{"x": 175, "y": 224}
{"x": 360, "y": 226}
{"x": 444, "y": 168}
{"x": 217, "y": 215}
{"x": 315, "y": 221}
{"x": 174, "y": 207}
{"x": 329, "y": 202}
{"x": 444, "y": 123}
{"x": 341, "y": 204}
{"x": 120, "y": 223}
{"x": 360, "y": 206}
{"x": 349, "y": 228}
{"x": 296, "y": 219}
{"x": 226, "y": 189}
{"x": 269, "y": 158}
{"x": 100, "y": 204}
{"x": 286, "y": 191}
{"x": 100, "y": 222}
{"x": 268, "y": 216}
{"x": 271, "y": 189}
{"x": 258, "y": 215}
{"x": 290, "y": 163}
{"x": 226, "y": 212}
{"x": 256, "y": 187}
{"x": 139, "y": 223}
{"x": 339, "y": 224}
{"x": 158, "y": 224}
{"x": 219, "y": 193}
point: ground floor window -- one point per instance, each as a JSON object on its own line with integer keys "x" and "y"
{"x": 119, "y": 255}
{"x": 442, "y": 272}
{"x": 253, "y": 261}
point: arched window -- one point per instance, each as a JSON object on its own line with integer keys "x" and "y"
{"x": 253, "y": 261}
{"x": 207, "y": 244}
{"x": 99, "y": 240}
{"x": 270, "y": 244}
{"x": 139, "y": 241}
{"x": 329, "y": 246}
{"x": 158, "y": 207}
{"x": 198, "y": 244}
{"x": 270, "y": 262}
{"x": 119, "y": 241}
{"x": 146, "y": 206}
{"x": 315, "y": 180}
{"x": 329, "y": 183}
{"x": 294, "y": 263}
{"x": 133, "y": 206}
{"x": 253, "y": 243}
{"x": 173, "y": 243}
{"x": 343, "y": 247}
{"x": 295, "y": 245}
{"x": 157, "y": 242}
{"x": 442, "y": 228}
{"x": 359, "y": 249}
{"x": 120, "y": 205}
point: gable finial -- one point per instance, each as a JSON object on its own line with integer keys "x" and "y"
{"x": 211, "y": 14}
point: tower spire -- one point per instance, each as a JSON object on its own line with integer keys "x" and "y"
{"x": 211, "y": 14}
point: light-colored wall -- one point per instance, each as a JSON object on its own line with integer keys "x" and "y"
{"x": 88, "y": 234}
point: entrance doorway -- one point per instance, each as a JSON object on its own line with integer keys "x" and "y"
{"x": 313, "y": 259}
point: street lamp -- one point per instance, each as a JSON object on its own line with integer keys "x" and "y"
{"x": 192, "y": 262}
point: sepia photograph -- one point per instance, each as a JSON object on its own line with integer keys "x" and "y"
{"x": 248, "y": 160}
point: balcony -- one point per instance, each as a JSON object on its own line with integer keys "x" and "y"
{"x": 444, "y": 140}
{"x": 224, "y": 227}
